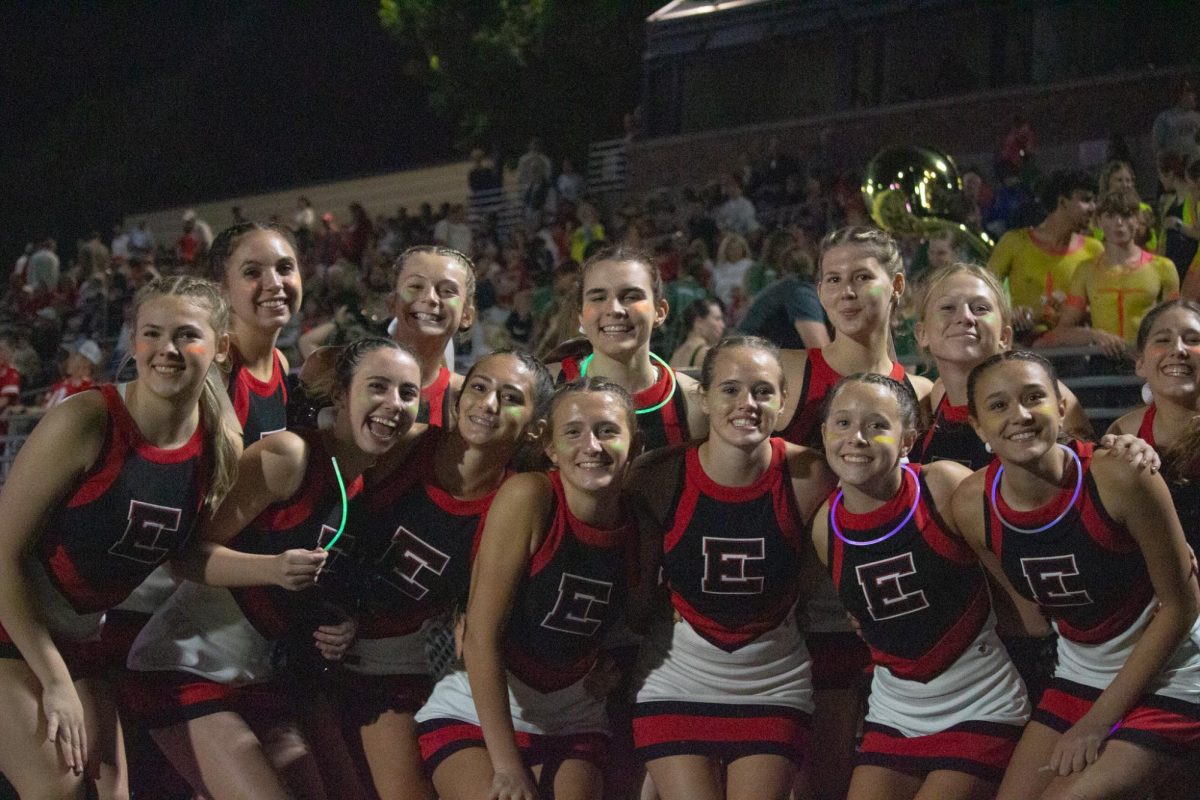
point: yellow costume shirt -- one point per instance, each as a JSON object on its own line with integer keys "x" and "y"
{"x": 1119, "y": 295}
{"x": 1036, "y": 270}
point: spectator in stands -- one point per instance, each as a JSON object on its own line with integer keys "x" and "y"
{"x": 201, "y": 228}
{"x": 1177, "y": 210}
{"x": 10, "y": 378}
{"x": 1177, "y": 130}
{"x": 556, "y": 319}
{"x": 768, "y": 268}
{"x": 532, "y": 167}
{"x": 41, "y": 273}
{"x": 304, "y": 225}
{"x": 454, "y": 231}
{"x": 1039, "y": 262}
{"x": 83, "y": 359}
{"x": 329, "y": 241}
{"x": 728, "y": 281}
{"x": 788, "y": 312}
{"x": 358, "y": 235}
{"x": 736, "y": 214}
{"x": 482, "y": 177}
{"x": 704, "y": 321}
{"x": 978, "y": 197}
{"x": 1118, "y": 287}
{"x": 120, "y": 243}
{"x": 589, "y": 230}
{"x": 1016, "y": 152}
{"x": 187, "y": 246}
{"x": 569, "y": 183}
{"x": 1008, "y": 201}
{"x": 93, "y": 257}
{"x": 1117, "y": 176}
{"x": 141, "y": 239}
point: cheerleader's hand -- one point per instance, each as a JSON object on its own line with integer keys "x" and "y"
{"x": 512, "y": 786}
{"x": 603, "y": 678}
{"x": 334, "y": 640}
{"x": 64, "y": 724}
{"x": 298, "y": 569}
{"x": 1078, "y": 747}
{"x": 1133, "y": 449}
{"x": 855, "y": 625}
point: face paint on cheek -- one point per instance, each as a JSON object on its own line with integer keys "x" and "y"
{"x": 1047, "y": 408}
{"x": 195, "y": 349}
{"x": 883, "y": 438}
{"x": 875, "y": 291}
{"x": 142, "y": 348}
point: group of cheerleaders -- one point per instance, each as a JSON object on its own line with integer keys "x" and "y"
{"x": 255, "y": 598}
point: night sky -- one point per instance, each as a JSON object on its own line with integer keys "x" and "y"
{"x": 110, "y": 108}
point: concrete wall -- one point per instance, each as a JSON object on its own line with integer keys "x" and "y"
{"x": 379, "y": 194}
{"x": 967, "y": 128}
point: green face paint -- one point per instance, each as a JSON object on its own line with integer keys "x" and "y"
{"x": 875, "y": 291}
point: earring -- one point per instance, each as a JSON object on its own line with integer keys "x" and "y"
{"x": 1147, "y": 395}
{"x": 581, "y": 330}
{"x": 987, "y": 446}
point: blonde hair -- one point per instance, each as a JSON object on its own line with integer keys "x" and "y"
{"x": 215, "y": 408}
{"x": 878, "y": 245}
{"x": 1003, "y": 302}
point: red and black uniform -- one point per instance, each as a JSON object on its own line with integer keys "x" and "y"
{"x": 1185, "y": 495}
{"x": 840, "y": 659}
{"x": 308, "y": 518}
{"x": 576, "y": 587}
{"x": 819, "y": 378}
{"x": 136, "y": 507}
{"x": 919, "y": 596}
{"x": 437, "y": 401}
{"x": 418, "y": 541}
{"x": 261, "y": 406}
{"x": 951, "y": 438}
{"x": 665, "y": 425}
{"x": 731, "y": 557}
{"x": 731, "y": 676}
{"x": 1088, "y": 574}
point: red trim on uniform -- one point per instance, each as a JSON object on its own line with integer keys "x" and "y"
{"x": 1146, "y": 429}
{"x": 1052, "y": 508}
{"x": 118, "y": 411}
{"x": 291, "y": 512}
{"x": 1157, "y": 722}
{"x": 544, "y": 676}
{"x": 736, "y": 494}
{"x": 819, "y": 378}
{"x": 730, "y": 639}
{"x": 986, "y": 747}
{"x": 162, "y": 699}
{"x": 82, "y": 594}
{"x": 441, "y": 738}
{"x": 656, "y": 393}
{"x": 418, "y": 465}
{"x": 585, "y": 533}
{"x": 112, "y": 453}
{"x": 649, "y": 731}
{"x": 664, "y": 728}
{"x": 946, "y": 650}
{"x": 244, "y": 384}
{"x": 434, "y": 395}
{"x": 363, "y": 698}
{"x": 1119, "y": 619}
{"x": 83, "y": 659}
{"x": 569, "y": 369}
{"x": 685, "y": 507}
{"x": 893, "y": 509}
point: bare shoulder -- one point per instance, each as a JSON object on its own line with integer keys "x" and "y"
{"x": 793, "y": 363}
{"x": 531, "y": 488}
{"x": 279, "y": 461}
{"x": 966, "y": 507}
{"x": 76, "y": 428}
{"x": 283, "y": 361}
{"x": 923, "y": 387}
{"x": 943, "y": 478}
{"x": 1130, "y": 422}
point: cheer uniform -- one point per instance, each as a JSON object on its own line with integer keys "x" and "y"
{"x": 667, "y": 423}
{"x": 136, "y": 507}
{"x": 209, "y": 650}
{"x": 1186, "y": 496}
{"x": 1088, "y": 574}
{"x": 951, "y": 438}
{"x": 261, "y": 406}
{"x": 944, "y": 694}
{"x": 576, "y": 586}
{"x": 731, "y": 676}
{"x": 437, "y": 401}
{"x": 419, "y": 542}
{"x": 840, "y": 659}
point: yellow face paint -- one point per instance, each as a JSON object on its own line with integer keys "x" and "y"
{"x": 883, "y": 438}
{"x": 1047, "y": 408}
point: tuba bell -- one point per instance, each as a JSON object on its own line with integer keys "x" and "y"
{"x": 917, "y": 190}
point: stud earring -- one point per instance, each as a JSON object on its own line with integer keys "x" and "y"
{"x": 987, "y": 446}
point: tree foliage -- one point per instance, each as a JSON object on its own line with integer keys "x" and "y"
{"x": 504, "y": 70}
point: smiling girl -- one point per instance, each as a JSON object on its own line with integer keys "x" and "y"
{"x": 210, "y": 678}
{"x": 110, "y": 484}
{"x": 946, "y": 705}
{"x": 728, "y": 683}
{"x": 1096, "y": 545}
{"x": 422, "y": 513}
{"x": 555, "y": 562}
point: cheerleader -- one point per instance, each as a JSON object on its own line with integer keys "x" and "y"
{"x": 727, "y": 684}
{"x": 860, "y": 281}
{"x": 422, "y": 512}
{"x": 1168, "y": 359}
{"x": 214, "y": 677}
{"x": 555, "y": 563}
{"x": 109, "y": 485}
{"x": 946, "y": 705}
{"x": 621, "y": 305}
{"x": 1095, "y": 543}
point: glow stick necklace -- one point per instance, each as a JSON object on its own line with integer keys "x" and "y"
{"x": 1056, "y": 520}
{"x": 583, "y": 365}
{"x": 342, "y": 488}
{"x": 837, "y": 499}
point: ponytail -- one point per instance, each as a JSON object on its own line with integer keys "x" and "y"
{"x": 216, "y": 414}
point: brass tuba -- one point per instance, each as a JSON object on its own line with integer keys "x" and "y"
{"x": 911, "y": 189}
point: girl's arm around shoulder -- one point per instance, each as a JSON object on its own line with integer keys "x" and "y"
{"x": 1076, "y": 421}
{"x": 269, "y": 471}
{"x": 697, "y": 420}
{"x": 1130, "y": 422}
{"x": 966, "y": 512}
{"x": 943, "y": 478}
{"x": 793, "y": 363}
{"x": 923, "y": 387}
{"x": 812, "y": 479}
{"x": 651, "y": 489}
{"x": 820, "y": 533}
